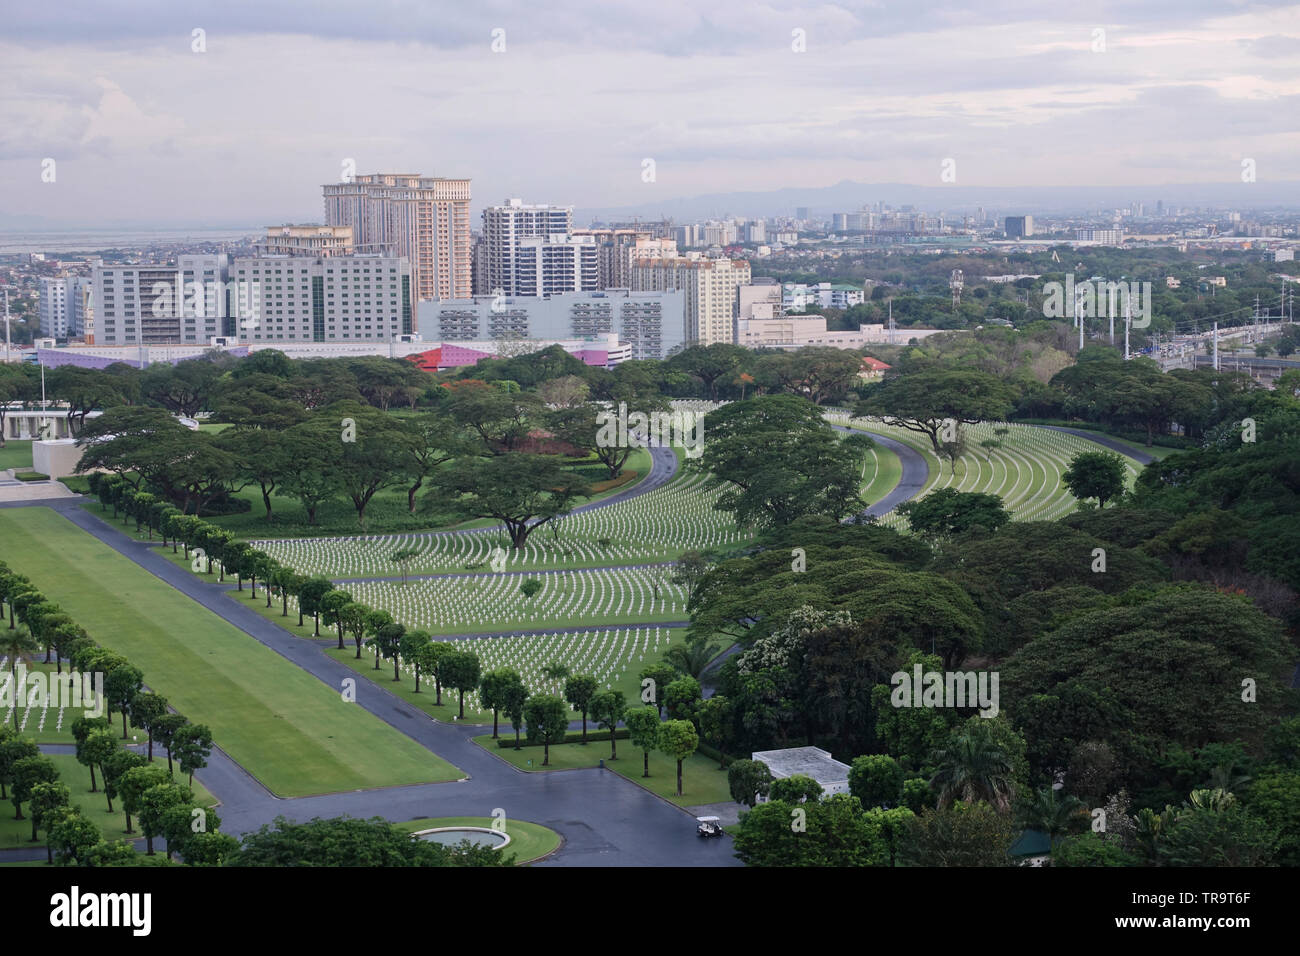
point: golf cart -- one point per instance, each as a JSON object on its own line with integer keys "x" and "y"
{"x": 709, "y": 827}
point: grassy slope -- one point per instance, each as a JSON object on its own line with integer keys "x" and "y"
{"x": 281, "y": 724}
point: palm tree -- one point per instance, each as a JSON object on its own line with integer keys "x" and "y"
{"x": 1047, "y": 813}
{"x": 691, "y": 659}
{"x": 972, "y": 768}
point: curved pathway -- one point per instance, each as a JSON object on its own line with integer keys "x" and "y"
{"x": 914, "y": 475}
{"x": 1097, "y": 438}
{"x": 604, "y": 819}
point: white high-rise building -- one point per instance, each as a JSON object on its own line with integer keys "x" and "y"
{"x": 507, "y": 266}
{"x": 254, "y": 299}
{"x": 64, "y": 305}
{"x": 712, "y": 292}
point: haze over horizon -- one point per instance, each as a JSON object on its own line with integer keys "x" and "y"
{"x": 144, "y": 130}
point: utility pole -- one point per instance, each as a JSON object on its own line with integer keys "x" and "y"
{"x": 6, "y": 326}
{"x": 1216, "y": 346}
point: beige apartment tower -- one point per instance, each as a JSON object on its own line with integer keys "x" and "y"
{"x": 423, "y": 219}
{"x": 711, "y": 287}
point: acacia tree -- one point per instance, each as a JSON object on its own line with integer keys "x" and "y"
{"x": 522, "y": 491}
{"x": 926, "y": 400}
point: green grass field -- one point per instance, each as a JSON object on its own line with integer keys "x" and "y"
{"x": 16, "y": 454}
{"x": 282, "y": 725}
{"x": 94, "y": 806}
{"x": 882, "y": 472}
{"x": 528, "y": 841}
{"x": 702, "y": 781}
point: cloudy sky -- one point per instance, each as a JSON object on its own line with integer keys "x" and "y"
{"x": 724, "y": 96}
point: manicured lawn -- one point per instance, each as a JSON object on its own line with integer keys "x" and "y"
{"x": 16, "y": 454}
{"x": 291, "y": 732}
{"x": 702, "y": 781}
{"x": 94, "y": 806}
{"x": 528, "y": 841}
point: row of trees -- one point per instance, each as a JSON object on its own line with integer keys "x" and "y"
{"x": 164, "y": 808}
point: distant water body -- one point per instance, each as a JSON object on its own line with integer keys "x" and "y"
{"x": 20, "y": 241}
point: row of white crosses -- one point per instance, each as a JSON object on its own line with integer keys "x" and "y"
{"x": 604, "y": 653}
{"x": 494, "y": 602}
{"x": 1025, "y": 471}
{"x": 656, "y": 526}
{"x": 27, "y": 711}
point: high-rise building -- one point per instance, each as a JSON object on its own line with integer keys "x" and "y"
{"x": 711, "y": 287}
{"x": 614, "y": 246}
{"x": 307, "y": 240}
{"x": 64, "y": 304}
{"x": 1019, "y": 227}
{"x": 254, "y": 299}
{"x": 505, "y": 227}
{"x": 422, "y": 219}
{"x": 161, "y": 304}
{"x": 322, "y": 299}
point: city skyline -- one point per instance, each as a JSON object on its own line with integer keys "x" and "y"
{"x": 220, "y": 127}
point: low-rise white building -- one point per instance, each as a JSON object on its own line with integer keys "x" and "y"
{"x": 808, "y": 762}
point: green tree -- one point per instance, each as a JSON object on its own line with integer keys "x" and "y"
{"x": 529, "y": 588}
{"x": 1053, "y": 814}
{"x": 678, "y": 739}
{"x": 13, "y": 749}
{"x": 579, "y": 689}
{"x": 522, "y": 491}
{"x": 643, "y": 729}
{"x": 947, "y": 512}
{"x": 1095, "y": 474}
{"x": 797, "y": 788}
{"x": 970, "y": 768}
{"x": 430, "y": 662}
{"x": 547, "y": 718}
{"x": 959, "y": 834}
{"x": 494, "y": 691}
{"x": 121, "y": 685}
{"x": 154, "y": 803}
{"x": 45, "y": 800}
{"x": 748, "y": 780}
{"x": 82, "y": 728}
{"x": 777, "y": 460}
{"x": 132, "y": 784}
{"x": 925, "y": 401}
{"x": 876, "y": 780}
{"x": 607, "y": 708}
{"x": 192, "y": 745}
{"x": 145, "y": 709}
{"x": 25, "y": 774}
{"x": 460, "y": 671}
{"x": 72, "y": 835}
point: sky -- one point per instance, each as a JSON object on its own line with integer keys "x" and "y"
{"x": 564, "y": 101}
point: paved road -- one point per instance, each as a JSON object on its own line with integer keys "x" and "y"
{"x": 914, "y": 475}
{"x": 1141, "y": 457}
{"x": 604, "y": 819}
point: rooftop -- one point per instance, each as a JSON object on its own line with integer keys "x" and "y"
{"x": 808, "y": 761}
